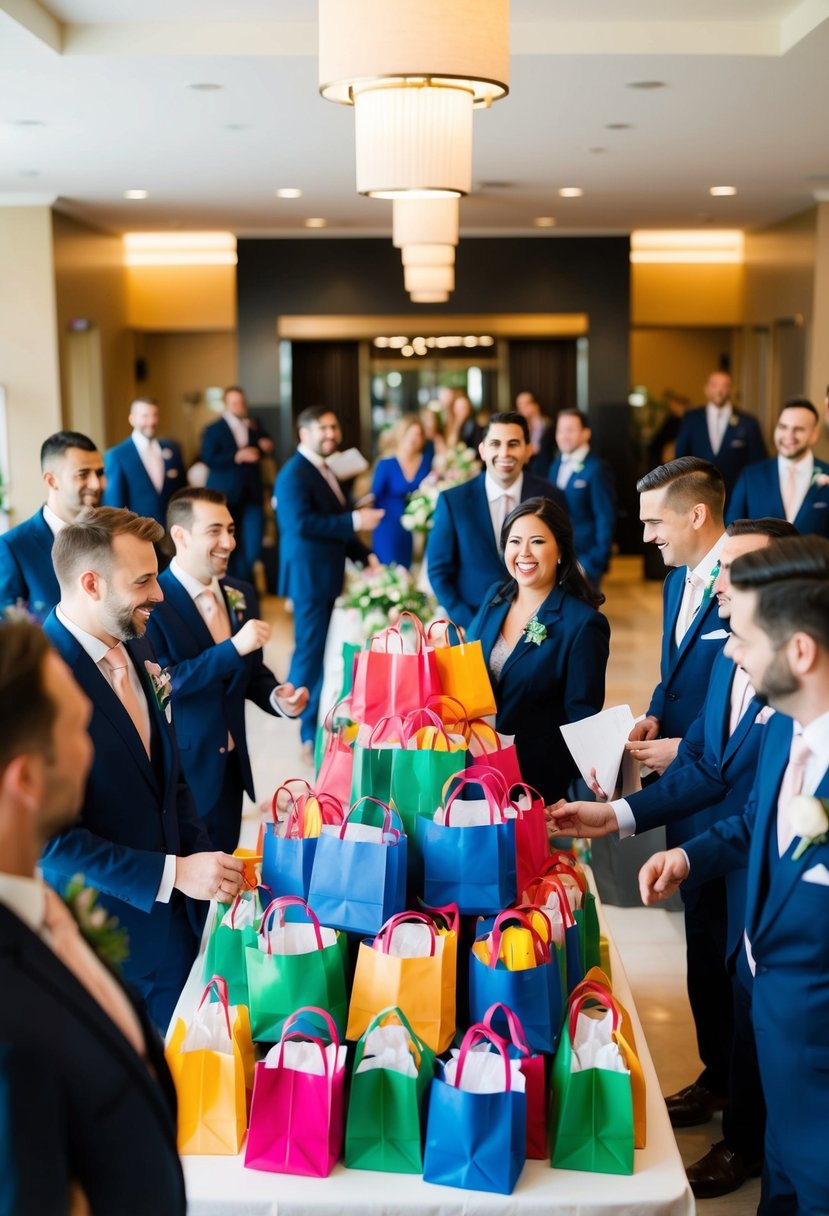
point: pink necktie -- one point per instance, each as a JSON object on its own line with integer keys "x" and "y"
{"x": 70, "y": 947}
{"x": 792, "y": 785}
{"x": 688, "y": 608}
{"x": 117, "y": 660}
{"x": 156, "y": 468}
{"x": 741, "y": 693}
{"x": 215, "y": 618}
{"x": 789, "y": 492}
{"x": 505, "y": 505}
{"x": 332, "y": 481}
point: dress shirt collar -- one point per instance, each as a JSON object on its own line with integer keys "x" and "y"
{"x": 578, "y": 456}
{"x": 310, "y": 455}
{"x": 94, "y": 647}
{"x": 25, "y": 897}
{"x": 53, "y": 522}
{"x": 144, "y": 444}
{"x": 804, "y": 469}
{"x": 703, "y": 569}
{"x": 718, "y": 413}
{"x": 494, "y": 491}
{"x": 193, "y": 586}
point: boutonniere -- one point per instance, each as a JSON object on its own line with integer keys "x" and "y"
{"x": 102, "y": 931}
{"x": 810, "y": 820}
{"x": 579, "y": 468}
{"x": 709, "y": 585}
{"x": 236, "y": 601}
{"x": 167, "y": 453}
{"x": 819, "y": 479}
{"x": 734, "y": 420}
{"x": 161, "y": 685}
{"x": 534, "y": 631}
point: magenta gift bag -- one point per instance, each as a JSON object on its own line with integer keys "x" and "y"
{"x": 297, "y": 1115}
{"x": 389, "y": 680}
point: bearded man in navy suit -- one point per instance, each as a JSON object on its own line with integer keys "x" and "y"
{"x": 780, "y": 636}
{"x": 144, "y": 471}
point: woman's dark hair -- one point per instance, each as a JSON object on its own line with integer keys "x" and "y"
{"x": 571, "y": 577}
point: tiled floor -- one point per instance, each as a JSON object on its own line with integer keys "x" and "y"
{"x": 651, "y": 941}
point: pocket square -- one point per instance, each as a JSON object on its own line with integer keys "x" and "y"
{"x": 714, "y": 635}
{"x": 817, "y": 874}
{"x": 579, "y": 485}
{"x": 737, "y": 443}
{"x": 818, "y": 505}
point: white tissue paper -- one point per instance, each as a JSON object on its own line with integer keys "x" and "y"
{"x": 473, "y": 813}
{"x": 208, "y": 1029}
{"x": 356, "y": 831}
{"x": 571, "y": 889}
{"x": 294, "y": 939}
{"x": 411, "y": 940}
{"x": 555, "y": 921}
{"x": 483, "y": 1072}
{"x": 301, "y": 1056}
{"x": 388, "y": 1047}
{"x": 244, "y": 915}
{"x": 593, "y": 1046}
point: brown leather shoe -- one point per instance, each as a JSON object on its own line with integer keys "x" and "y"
{"x": 693, "y": 1105}
{"x": 720, "y": 1172}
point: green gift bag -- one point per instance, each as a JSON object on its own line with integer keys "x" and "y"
{"x": 422, "y": 767}
{"x": 383, "y": 1131}
{"x": 225, "y": 950}
{"x": 350, "y": 651}
{"x": 374, "y": 750}
{"x": 305, "y": 965}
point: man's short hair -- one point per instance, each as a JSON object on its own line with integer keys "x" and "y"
{"x": 767, "y": 525}
{"x": 800, "y": 403}
{"x": 313, "y": 413}
{"x": 570, "y": 412}
{"x": 507, "y": 418}
{"x": 232, "y": 388}
{"x": 86, "y": 544}
{"x": 57, "y": 445}
{"x": 791, "y": 579}
{"x": 688, "y": 481}
{"x": 180, "y": 506}
{"x": 27, "y": 712}
{"x": 143, "y": 401}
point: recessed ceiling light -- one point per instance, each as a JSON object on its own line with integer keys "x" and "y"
{"x": 205, "y": 86}
{"x": 618, "y": 126}
{"x": 29, "y": 173}
{"x": 237, "y": 126}
{"x": 28, "y": 122}
{"x": 289, "y": 192}
{"x": 315, "y": 222}
{"x": 597, "y": 151}
{"x": 544, "y": 221}
{"x": 722, "y": 191}
{"x": 647, "y": 84}
{"x": 136, "y": 194}
{"x": 570, "y": 192}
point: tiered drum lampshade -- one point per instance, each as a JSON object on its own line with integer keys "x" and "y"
{"x": 425, "y": 221}
{"x": 429, "y": 278}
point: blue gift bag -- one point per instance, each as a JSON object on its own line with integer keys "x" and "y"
{"x": 475, "y": 1141}
{"x": 287, "y": 854}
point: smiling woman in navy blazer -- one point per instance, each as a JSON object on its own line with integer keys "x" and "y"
{"x": 544, "y": 642}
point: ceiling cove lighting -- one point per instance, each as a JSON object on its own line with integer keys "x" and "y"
{"x": 429, "y": 297}
{"x": 570, "y": 192}
{"x": 179, "y": 249}
{"x": 315, "y": 221}
{"x": 723, "y": 246}
{"x": 289, "y": 192}
{"x": 544, "y": 221}
{"x": 136, "y": 194}
{"x": 722, "y": 191}
{"x": 425, "y": 221}
{"x": 414, "y": 71}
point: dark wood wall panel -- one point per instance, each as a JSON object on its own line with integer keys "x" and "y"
{"x": 546, "y": 367}
{"x": 327, "y": 373}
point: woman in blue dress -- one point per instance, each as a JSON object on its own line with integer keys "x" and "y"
{"x": 395, "y": 478}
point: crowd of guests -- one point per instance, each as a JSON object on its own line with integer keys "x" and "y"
{"x": 124, "y": 755}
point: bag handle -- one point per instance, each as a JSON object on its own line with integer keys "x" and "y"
{"x": 387, "y": 932}
{"x": 219, "y": 986}
{"x": 461, "y": 718}
{"x": 383, "y": 723}
{"x": 459, "y": 633}
{"x": 234, "y": 907}
{"x": 328, "y": 723}
{"x": 306, "y": 1038}
{"x": 286, "y": 787}
{"x": 576, "y": 1005}
{"x": 417, "y": 626}
{"x": 388, "y": 827}
{"x": 279, "y": 905}
{"x": 432, "y": 719}
{"x": 541, "y": 948}
{"x": 556, "y": 864}
{"x": 391, "y": 1011}
{"x": 479, "y": 730}
{"x": 461, "y": 779}
{"x": 516, "y": 1030}
{"x": 487, "y": 773}
{"x": 474, "y": 1034}
{"x": 448, "y": 913}
{"x": 552, "y": 883}
{"x": 384, "y": 637}
{"x": 331, "y": 1025}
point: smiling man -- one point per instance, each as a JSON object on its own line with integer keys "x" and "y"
{"x": 137, "y": 840}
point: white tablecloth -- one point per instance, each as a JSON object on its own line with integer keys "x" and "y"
{"x": 221, "y": 1186}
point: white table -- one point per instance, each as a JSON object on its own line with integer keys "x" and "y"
{"x": 221, "y": 1186}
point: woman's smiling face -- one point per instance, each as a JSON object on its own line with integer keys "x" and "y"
{"x": 531, "y": 553}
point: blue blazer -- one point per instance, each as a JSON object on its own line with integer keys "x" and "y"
{"x": 591, "y": 499}
{"x": 136, "y": 809}
{"x": 757, "y": 493}
{"x": 128, "y": 482}
{"x": 462, "y": 556}
{"x": 743, "y": 443}
{"x": 685, "y": 670}
{"x": 316, "y": 534}
{"x": 210, "y": 686}
{"x": 543, "y": 686}
{"x": 26, "y": 570}
{"x": 240, "y": 483}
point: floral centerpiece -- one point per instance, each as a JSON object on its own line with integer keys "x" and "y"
{"x": 381, "y": 593}
{"x": 455, "y": 466}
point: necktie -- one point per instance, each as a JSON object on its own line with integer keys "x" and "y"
{"x": 214, "y": 615}
{"x": 742, "y": 691}
{"x": 155, "y": 465}
{"x": 332, "y": 481}
{"x": 503, "y": 506}
{"x": 789, "y": 492}
{"x": 688, "y": 608}
{"x": 117, "y": 660}
{"x": 791, "y": 786}
{"x": 69, "y": 946}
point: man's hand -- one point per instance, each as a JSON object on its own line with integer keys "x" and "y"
{"x": 248, "y": 455}
{"x": 253, "y": 635}
{"x": 209, "y": 875}
{"x": 581, "y": 819}
{"x": 656, "y": 753}
{"x": 661, "y": 875}
{"x": 291, "y": 700}
{"x": 648, "y": 728}
{"x": 265, "y": 445}
{"x": 369, "y": 518}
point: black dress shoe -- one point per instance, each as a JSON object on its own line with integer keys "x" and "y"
{"x": 720, "y": 1172}
{"x": 693, "y": 1105}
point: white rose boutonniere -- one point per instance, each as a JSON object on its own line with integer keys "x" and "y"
{"x": 162, "y": 686}
{"x": 820, "y": 479}
{"x": 236, "y": 601}
{"x": 810, "y": 820}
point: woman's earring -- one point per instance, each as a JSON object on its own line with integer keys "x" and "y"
{"x": 558, "y": 563}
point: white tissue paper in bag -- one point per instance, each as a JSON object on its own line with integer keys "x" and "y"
{"x": 388, "y": 1047}
{"x": 474, "y": 813}
{"x": 294, "y": 939}
{"x": 356, "y": 831}
{"x": 483, "y": 1072}
{"x": 244, "y": 915}
{"x": 593, "y": 1046}
{"x": 208, "y": 1029}
{"x": 556, "y": 929}
{"x": 301, "y": 1056}
{"x": 411, "y": 940}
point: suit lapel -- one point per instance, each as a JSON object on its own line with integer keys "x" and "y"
{"x": 775, "y": 498}
{"x": 135, "y": 465}
{"x": 811, "y": 495}
{"x": 185, "y": 606}
{"x": 700, "y": 618}
{"x": 547, "y": 614}
{"x": 481, "y": 512}
{"x": 42, "y": 534}
{"x": 741, "y": 730}
{"x": 141, "y": 653}
{"x": 320, "y": 480}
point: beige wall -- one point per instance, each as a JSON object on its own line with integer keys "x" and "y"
{"x": 29, "y": 370}
{"x": 818, "y": 369}
{"x": 668, "y": 294}
{"x": 185, "y": 298}
{"x": 676, "y": 358}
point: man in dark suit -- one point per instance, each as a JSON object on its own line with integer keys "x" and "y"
{"x": 462, "y": 554}
{"x": 232, "y": 448}
{"x": 317, "y": 532}
{"x": 542, "y": 432}
{"x": 144, "y": 471}
{"x": 86, "y": 1102}
{"x": 209, "y": 634}
{"x": 710, "y": 780}
{"x": 73, "y": 473}
{"x": 780, "y": 636}
{"x": 720, "y": 433}
{"x": 138, "y": 840}
{"x": 587, "y": 484}
{"x": 794, "y": 484}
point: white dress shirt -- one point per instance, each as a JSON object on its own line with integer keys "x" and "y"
{"x": 804, "y": 471}
{"x": 152, "y": 459}
{"x": 692, "y": 594}
{"x": 239, "y": 429}
{"x": 54, "y": 522}
{"x": 569, "y": 463}
{"x": 495, "y": 495}
{"x": 319, "y": 462}
{"x": 717, "y": 418}
{"x": 25, "y": 897}
{"x": 96, "y": 649}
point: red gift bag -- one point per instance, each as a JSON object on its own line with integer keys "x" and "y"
{"x": 388, "y": 679}
{"x": 531, "y": 842}
{"x": 487, "y": 748}
{"x": 533, "y": 1067}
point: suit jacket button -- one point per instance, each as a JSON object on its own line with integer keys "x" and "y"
{"x": 222, "y": 751}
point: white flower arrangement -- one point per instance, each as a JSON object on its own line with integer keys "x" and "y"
{"x": 381, "y": 593}
{"x": 457, "y": 465}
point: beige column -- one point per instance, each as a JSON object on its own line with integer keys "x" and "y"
{"x": 818, "y": 355}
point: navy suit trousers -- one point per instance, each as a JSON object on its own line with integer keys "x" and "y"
{"x": 311, "y": 620}
{"x": 709, "y": 984}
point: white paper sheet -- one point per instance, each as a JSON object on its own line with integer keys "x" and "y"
{"x": 347, "y": 464}
{"x": 599, "y": 742}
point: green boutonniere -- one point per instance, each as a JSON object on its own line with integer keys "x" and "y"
{"x": 535, "y": 632}
{"x": 161, "y": 685}
{"x": 236, "y": 601}
{"x": 102, "y": 931}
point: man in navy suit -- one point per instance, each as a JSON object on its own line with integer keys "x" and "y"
{"x": 144, "y": 471}
{"x": 793, "y": 485}
{"x": 232, "y": 448}
{"x": 74, "y": 476}
{"x": 587, "y": 484}
{"x": 138, "y": 840}
{"x": 209, "y": 634}
{"x": 82, "y": 1072}
{"x": 780, "y": 635}
{"x": 317, "y": 532}
{"x": 542, "y": 432}
{"x": 463, "y": 556}
{"x": 710, "y": 780}
{"x": 720, "y": 433}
